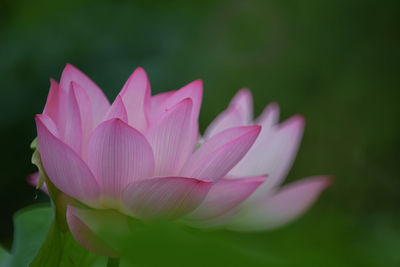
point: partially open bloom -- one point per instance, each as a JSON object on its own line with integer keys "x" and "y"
{"x": 142, "y": 156}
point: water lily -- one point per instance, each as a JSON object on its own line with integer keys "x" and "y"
{"x": 142, "y": 156}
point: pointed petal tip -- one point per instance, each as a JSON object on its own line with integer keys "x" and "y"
{"x": 69, "y": 67}
{"x": 257, "y": 180}
{"x": 320, "y": 181}
{"x": 244, "y": 92}
{"x": 53, "y": 82}
{"x": 139, "y": 72}
{"x": 273, "y": 106}
{"x": 185, "y": 101}
{"x": 328, "y": 180}
{"x": 45, "y": 121}
{"x": 38, "y": 119}
{"x": 198, "y": 82}
{"x": 269, "y": 116}
{"x": 244, "y": 97}
{"x": 117, "y": 110}
{"x": 253, "y": 130}
{"x": 196, "y": 85}
{"x": 298, "y": 119}
{"x": 296, "y": 123}
{"x": 116, "y": 122}
{"x": 256, "y": 129}
{"x": 140, "y": 69}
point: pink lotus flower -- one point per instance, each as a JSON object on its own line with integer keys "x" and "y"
{"x": 138, "y": 157}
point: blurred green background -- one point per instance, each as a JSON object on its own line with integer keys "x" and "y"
{"x": 336, "y": 62}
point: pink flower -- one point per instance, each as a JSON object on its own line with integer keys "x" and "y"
{"x": 138, "y": 157}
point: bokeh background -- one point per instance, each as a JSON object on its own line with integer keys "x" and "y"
{"x": 336, "y": 62}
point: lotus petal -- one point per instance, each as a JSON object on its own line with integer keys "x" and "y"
{"x": 136, "y": 97}
{"x": 65, "y": 168}
{"x": 282, "y": 207}
{"x": 98, "y": 100}
{"x": 272, "y": 153}
{"x": 118, "y": 155}
{"x": 170, "y": 138}
{"x": 225, "y": 195}
{"x": 117, "y": 111}
{"x": 164, "y": 196}
{"x": 216, "y": 157}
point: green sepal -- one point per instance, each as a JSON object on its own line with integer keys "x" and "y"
{"x": 34, "y": 144}
{"x": 38, "y": 162}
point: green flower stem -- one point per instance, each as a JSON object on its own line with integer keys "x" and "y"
{"x": 113, "y": 262}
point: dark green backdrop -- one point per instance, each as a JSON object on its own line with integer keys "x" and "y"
{"x": 336, "y": 62}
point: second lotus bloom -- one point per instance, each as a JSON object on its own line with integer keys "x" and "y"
{"x": 142, "y": 156}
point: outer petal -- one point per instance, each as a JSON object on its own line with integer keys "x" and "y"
{"x": 156, "y": 102}
{"x": 118, "y": 154}
{"x": 73, "y": 127}
{"x": 220, "y": 153}
{"x": 243, "y": 101}
{"x": 84, "y": 225}
{"x": 164, "y": 196}
{"x": 272, "y": 153}
{"x": 239, "y": 113}
{"x": 52, "y": 104}
{"x": 269, "y": 117}
{"x": 56, "y": 106}
{"x": 170, "y": 138}
{"x": 225, "y": 195}
{"x": 65, "y": 168}
{"x": 85, "y": 113}
{"x": 193, "y": 90}
{"x": 282, "y": 207}
{"x": 50, "y": 125}
{"x": 117, "y": 110}
{"x": 98, "y": 100}
{"x": 227, "y": 119}
{"x": 136, "y": 97}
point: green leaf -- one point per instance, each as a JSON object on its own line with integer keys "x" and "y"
{"x": 4, "y": 257}
{"x": 163, "y": 243}
{"x": 31, "y": 225}
{"x": 61, "y": 249}
{"x": 31, "y": 247}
